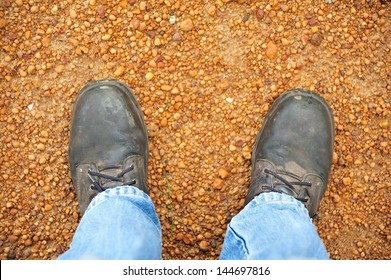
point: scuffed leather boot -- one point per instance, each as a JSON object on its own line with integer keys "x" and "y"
{"x": 108, "y": 144}
{"x": 294, "y": 149}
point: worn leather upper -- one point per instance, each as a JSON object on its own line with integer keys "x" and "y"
{"x": 107, "y": 129}
{"x": 297, "y": 136}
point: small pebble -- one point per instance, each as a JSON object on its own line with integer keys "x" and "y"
{"x": 186, "y": 25}
{"x": 271, "y": 50}
{"x": 259, "y": 14}
{"x": 3, "y": 23}
{"x": 149, "y": 76}
{"x": 119, "y": 71}
{"x": 346, "y": 181}
{"x": 212, "y": 10}
{"x": 48, "y": 207}
{"x": 316, "y": 39}
{"x": 177, "y": 36}
{"x": 223, "y": 173}
{"x": 384, "y": 124}
{"x": 59, "y": 68}
{"x": 72, "y": 13}
{"x": 218, "y": 183}
{"x": 106, "y": 37}
{"x": 41, "y": 147}
{"x": 46, "y": 42}
{"x": 204, "y": 245}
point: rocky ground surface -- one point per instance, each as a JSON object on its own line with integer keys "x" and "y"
{"x": 205, "y": 74}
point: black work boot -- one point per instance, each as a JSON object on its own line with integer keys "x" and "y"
{"x": 294, "y": 149}
{"x": 108, "y": 144}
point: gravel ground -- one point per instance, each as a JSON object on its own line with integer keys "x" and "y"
{"x": 205, "y": 74}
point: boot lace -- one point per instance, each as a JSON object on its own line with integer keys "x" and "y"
{"x": 281, "y": 181}
{"x": 109, "y": 178}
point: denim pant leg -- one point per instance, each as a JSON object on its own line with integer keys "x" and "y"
{"x": 120, "y": 223}
{"x": 273, "y": 226}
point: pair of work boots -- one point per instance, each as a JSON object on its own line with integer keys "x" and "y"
{"x": 109, "y": 145}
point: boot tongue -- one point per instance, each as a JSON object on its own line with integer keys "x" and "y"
{"x": 113, "y": 172}
{"x": 112, "y": 184}
{"x": 298, "y": 191}
{"x": 285, "y": 190}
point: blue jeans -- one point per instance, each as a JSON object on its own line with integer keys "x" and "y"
{"x": 121, "y": 223}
